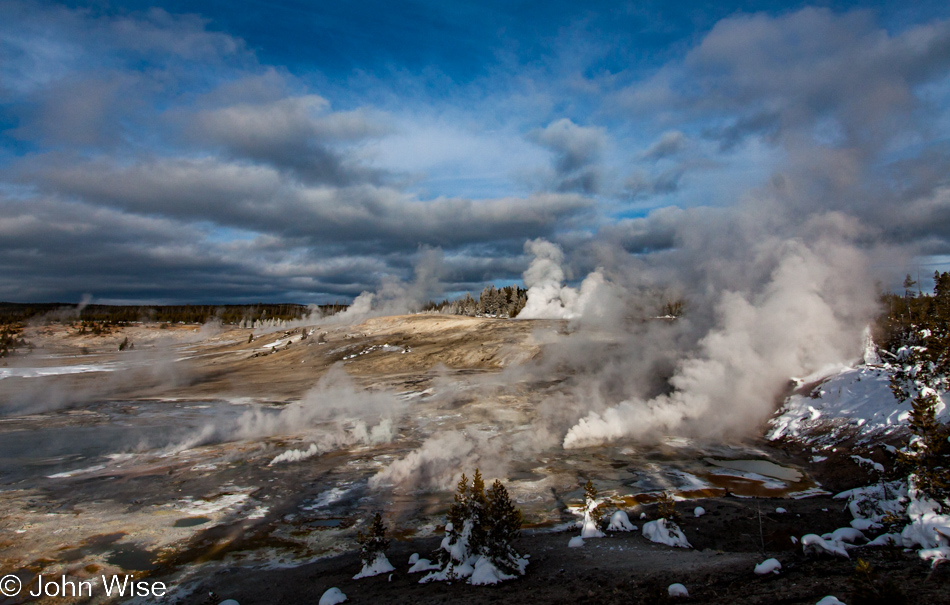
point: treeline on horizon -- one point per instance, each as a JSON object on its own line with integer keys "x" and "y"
{"x": 905, "y": 315}
{"x": 19, "y": 313}
{"x": 493, "y": 302}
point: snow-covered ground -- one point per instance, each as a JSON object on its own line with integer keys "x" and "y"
{"x": 25, "y": 372}
{"x": 856, "y": 398}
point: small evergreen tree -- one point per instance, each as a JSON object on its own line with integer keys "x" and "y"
{"x": 593, "y": 512}
{"x": 373, "y": 545}
{"x": 590, "y": 502}
{"x": 666, "y": 508}
{"x": 479, "y": 530}
{"x": 477, "y": 505}
{"x": 374, "y": 542}
{"x": 504, "y": 528}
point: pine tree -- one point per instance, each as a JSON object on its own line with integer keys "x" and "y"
{"x": 593, "y": 508}
{"x": 666, "y": 508}
{"x": 374, "y": 542}
{"x": 479, "y": 527}
{"x": 593, "y": 512}
{"x": 504, "y": 528}
{"x": 923, "y": 370}
{"x": 476, "y": 506}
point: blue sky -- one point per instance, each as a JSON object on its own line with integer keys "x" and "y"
{"x": 307, "y": 151}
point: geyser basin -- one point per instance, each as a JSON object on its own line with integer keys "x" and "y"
{"x": 186, "y": 477}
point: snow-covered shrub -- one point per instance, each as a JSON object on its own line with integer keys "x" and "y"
{"x": 666, "y": 508}
{"x": 664, "y": 531}
{"x": 593, "y": 512}
{"x": 479, "y": 535}
{"x": 373, "y": 545}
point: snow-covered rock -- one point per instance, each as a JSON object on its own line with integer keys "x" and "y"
{"x": 619, "y": 521}
{"x": 332, "y": 596}
{"x": 662, "y": 531}
{"x": 420, "y": 565}
{"x": 486, "y": 573}
{"x": 864, "y": 524}
{"x": 925, "y": 520}
{"x": 927, "y": 528}
{"x": 813, "y": 544}
{"x": 379, "y": 565}
{"x": 699, "y": 511}
{"x": 845, "y": 534}
{"x": 413, "y": 558}
{"x": 575, "y": 542}
{"x": 829, "y": 600}
{"x": 678, "y": 590}
{"x": 780, "y": 510}
{"x": 229, "y": 602}
{"x": 768, "y": 566}
{"x": 885, "y": 540}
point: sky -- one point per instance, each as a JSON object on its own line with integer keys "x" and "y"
{"x": 290, "y": 151}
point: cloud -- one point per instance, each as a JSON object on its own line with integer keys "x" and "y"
{"x": 297, "y": 133}
{"x": 576, "y": 149}
{"x": 232, "y": 176}
{"x": 840, "y": 95}
{"x": 259, "y": 198}
{"x": 670, "y": 143}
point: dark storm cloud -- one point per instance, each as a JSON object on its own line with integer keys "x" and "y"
{"x": 294, "y": 133}
{"x": 259, "y": 198}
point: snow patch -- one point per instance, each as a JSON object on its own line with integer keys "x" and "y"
{"x": 768, "y": 566}
{"x": 813, "y": 544}
{"x": 678, "y": 590}
{"x": 332, "y": 596}
{"x": 619, "y": 521}
{"x": 420, "y": 565}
